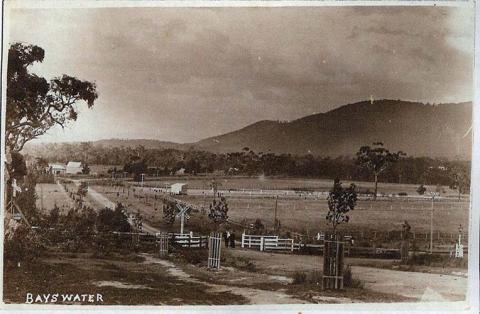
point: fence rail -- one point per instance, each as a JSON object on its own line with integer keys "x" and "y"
{"x": 179, "y": 239}
{"x": 268, "y": 243}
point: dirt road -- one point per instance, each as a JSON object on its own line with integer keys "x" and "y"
{"x": 254, "y": 296}
{"x": 418, "y": 285}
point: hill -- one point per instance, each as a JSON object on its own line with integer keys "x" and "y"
{"x": 415, "y": 128}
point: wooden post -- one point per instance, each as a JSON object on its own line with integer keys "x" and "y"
{"x": 182, "y": 220}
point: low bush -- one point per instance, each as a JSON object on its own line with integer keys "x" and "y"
{"x": 437, "y": 260}
{"x": 349, "y": 281}
{"x": 193, "y": 256}
{"x": 22, "y": 246}
{"x": 299, "y": 277}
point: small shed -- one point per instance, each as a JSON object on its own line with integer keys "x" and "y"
{"x": 74, "y": 167}
{"x": 178, "y": 189}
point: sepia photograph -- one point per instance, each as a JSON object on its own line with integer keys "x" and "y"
{"x": 186, "y": 155}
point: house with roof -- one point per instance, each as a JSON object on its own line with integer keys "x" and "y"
{"x": 56, "y": 169}
{"x": 74, "y": 167}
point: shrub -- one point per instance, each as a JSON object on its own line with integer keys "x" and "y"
{"x": 193, "y": 256}
{"x": 349, "y": 281}
{"x": 316, "y": 277}
{"x": 299, "y": 277}
{"x": 22, "y": 246}
{"x": 113, "y": 220}
{"x": 402, "y": 194}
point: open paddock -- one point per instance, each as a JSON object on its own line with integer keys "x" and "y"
{"x": 292, "y": 184}
{"x": 307, "y": 215}
{"x": 51, "y": 194}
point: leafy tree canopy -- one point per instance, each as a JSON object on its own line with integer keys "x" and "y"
{"x": 340, "y": 202}
{"x": 35, "y": 105}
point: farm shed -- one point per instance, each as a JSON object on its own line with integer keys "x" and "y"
{"x": 56, "y": 169}
{"x": 74, "y": 167}
{"x": 178, "y": 188}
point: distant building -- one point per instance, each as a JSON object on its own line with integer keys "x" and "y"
{"x": 56, "y": 169}
{"x": 74, "y": 167}
{"x": 178, "y": 188}
{"x": 180, "y": 172}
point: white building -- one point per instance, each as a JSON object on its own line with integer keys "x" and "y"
{"x": 178, "y": 188}
{"x": 74, "y": 167}
{"x": 56, "y": 169}
{"x": 180, "y": 172}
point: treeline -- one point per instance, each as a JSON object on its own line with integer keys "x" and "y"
{"x": 416, "y": 170}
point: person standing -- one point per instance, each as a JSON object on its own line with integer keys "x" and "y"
{"x": 227, "y": 240}
{"x": 232, "y": 240}
{"x": 224, "y": 234}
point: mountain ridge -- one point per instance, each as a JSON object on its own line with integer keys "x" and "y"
{"x": 415, "y": 128}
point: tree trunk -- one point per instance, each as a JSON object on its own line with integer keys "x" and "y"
{"x": 376, "y": 187}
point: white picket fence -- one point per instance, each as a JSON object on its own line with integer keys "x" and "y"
{"x": 268, "y": 243}
{"x": 187, "y": 239}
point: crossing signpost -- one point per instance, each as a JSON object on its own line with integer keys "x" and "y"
{"x": 182, "y": 213}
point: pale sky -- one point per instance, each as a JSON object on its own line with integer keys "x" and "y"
{"x": 184, "y": 74}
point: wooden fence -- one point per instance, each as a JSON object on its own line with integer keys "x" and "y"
{"x": 189, "y": 240}
{"x": 268, "y": 243}
{"x": 176, "y": 239}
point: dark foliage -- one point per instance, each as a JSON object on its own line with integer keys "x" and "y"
{"x": 219, "y": 211}
{"x": 153, "y": 162}
{"x": 340, "y": 202}
{"x": 113, "y": 220}
{"x": 35, "y": 105}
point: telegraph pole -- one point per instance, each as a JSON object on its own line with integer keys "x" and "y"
{"x": 433, "y": 194}
{"x": 275, "y": 213}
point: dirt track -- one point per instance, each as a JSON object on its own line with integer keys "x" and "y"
{"x": 419, "y": 285}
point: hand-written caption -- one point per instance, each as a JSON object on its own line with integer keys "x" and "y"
{"x": 63, "y": 298}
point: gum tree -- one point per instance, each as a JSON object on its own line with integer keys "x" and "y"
{"x": 34, "y": 105}
{"x": 376, "y": 159}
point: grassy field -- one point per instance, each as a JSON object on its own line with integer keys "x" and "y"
{"x": 308, "y": 215}
{"x": 49, "y": 195}
{"x": 323, "y": 185}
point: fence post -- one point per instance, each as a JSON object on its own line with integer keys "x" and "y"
{"x": 292, "y": 245}
{"x": 261, "y": 243}
{"x": 243, "y": 240}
